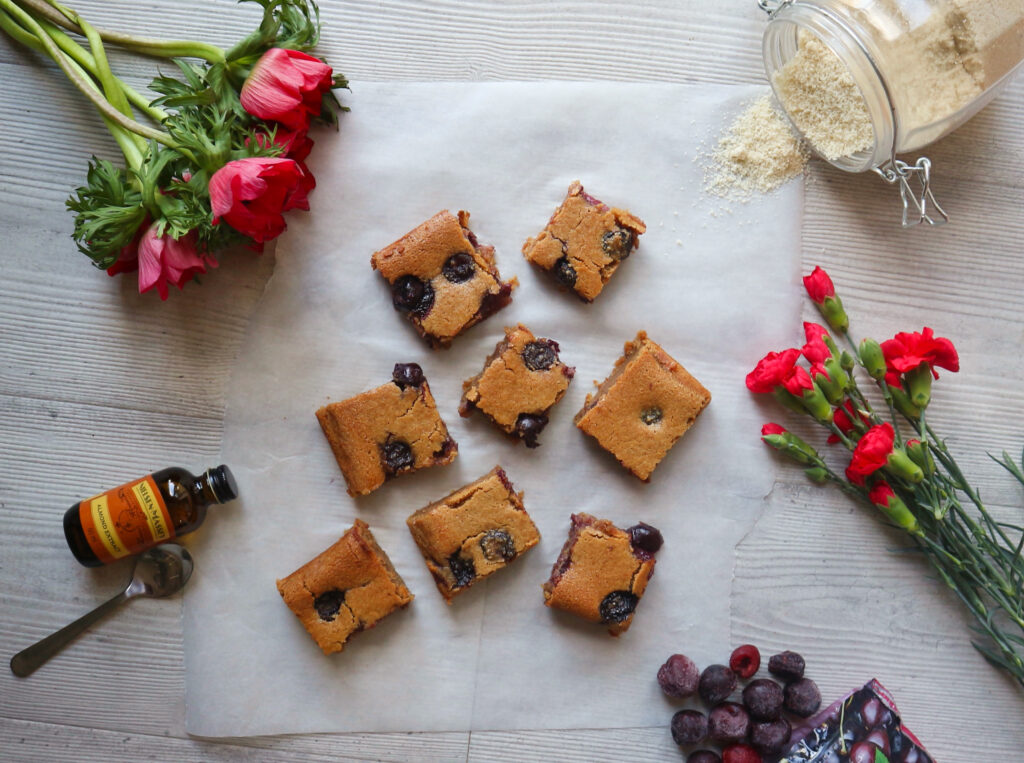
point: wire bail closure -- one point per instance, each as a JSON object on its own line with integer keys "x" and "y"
{"x": 772, "y": 7}
{"x": 918, "y": 202}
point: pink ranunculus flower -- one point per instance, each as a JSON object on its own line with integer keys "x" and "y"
{"x": 286, "y": 86}
{"x": 166, "y": 260}
{"x": 252, "y": 194}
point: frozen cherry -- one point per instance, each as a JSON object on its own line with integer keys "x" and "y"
{"x": 745, "y": 661}
{"x": 740, "y": 753}
{"x": 789, "y": 666}
{"x": 802, "y": 697}
{"x": 728, "y": 722}
{"x": 328, "y": 604}
{"x": 617, "y": 244}
{"x": 407, "y": 375}
{"x": 411, "y": 295}
{"x": 540, "y": 356}
{"x": 498, "y": 546}
{"x": 770, "y": 737}
{"x": 528, "y": 426}
{"x": 763, "y": 699}
{"x": 689, "y": 727}
{"x": 459, "y": 267}
{"x": 678, "y": 677}
{"x": 565, "y": 272}
{"x": 863, "y": 752}
{"x": 880, "y": 739}
{"x": 617, "y": 606}
{"x": 645, "y": 538}
{"x": 397, "y": 455}
{"x": 463, "y": 569}
{"x": 717, "y": 682}
{"x": 703, "y": 756}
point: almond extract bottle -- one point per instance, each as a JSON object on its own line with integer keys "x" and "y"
{"x": 140, "y": 514}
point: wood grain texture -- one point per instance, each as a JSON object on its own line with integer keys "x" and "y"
{"x": 98, "y": 384}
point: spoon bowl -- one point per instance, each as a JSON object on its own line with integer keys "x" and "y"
{"x": 160, "y": 571}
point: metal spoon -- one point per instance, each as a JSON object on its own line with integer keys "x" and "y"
{"x": 160, "y": 571}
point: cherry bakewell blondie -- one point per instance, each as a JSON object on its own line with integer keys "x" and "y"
{"x": 387, "y": 431}
{"x": 644, "y": 407}
{"x": 602, "y": 571}
{"x": 584, "y": 242}
{"x": 348, "y": 588}
{"x": 442, "y": 278}
{"x": 521, "y": 381}
{"x": 474, "y": 532}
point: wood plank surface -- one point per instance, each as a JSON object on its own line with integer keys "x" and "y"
{"x": 98, "y": 384}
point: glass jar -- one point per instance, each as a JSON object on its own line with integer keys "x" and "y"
{"x": 914, "y": 70}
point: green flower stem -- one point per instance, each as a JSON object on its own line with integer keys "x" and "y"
{"x": 67, "y": 18}
{"x": 19, "y": 34}
{"x": 80, "y": 80}
{"x": 87, "y": 62}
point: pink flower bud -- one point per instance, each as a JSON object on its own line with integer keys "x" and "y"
{"x": 286, "y": 86}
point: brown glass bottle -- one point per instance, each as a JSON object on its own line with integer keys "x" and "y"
{"x": 138, "y": 515}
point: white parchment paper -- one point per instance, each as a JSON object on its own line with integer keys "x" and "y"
{"x": 710, "y": 286}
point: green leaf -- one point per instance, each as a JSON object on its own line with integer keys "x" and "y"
{"x": 880, "y": 757}
{"x": 108, "y": 212}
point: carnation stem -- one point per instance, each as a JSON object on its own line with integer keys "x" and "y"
{"x": 67, "y": 18}
{"x": 80, "y": 80}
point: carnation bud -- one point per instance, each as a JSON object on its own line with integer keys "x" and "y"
{"x": 900, "y": 465}
{"x": 901, "y": 400}
{"x": 790, "y": 445}
{"x": 846, "y": 361}
{"x": 817, "y": 474}
{"x": 919, "y": 385}
{"x": 788, "y": 400}
{"x": 838, "y": 375}
{"x": 921, "y": 455}
{"x": 832, "y": 311}
{"x": 872, "y": 359}
{"x": 817, "y": 404}
{"x": 890, "y": 504}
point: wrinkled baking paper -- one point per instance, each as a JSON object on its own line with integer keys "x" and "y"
{"x": 716, "y": 289}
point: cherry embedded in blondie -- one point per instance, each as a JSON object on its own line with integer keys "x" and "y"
{"x": 498, "y": 546}
{"x": 528, "y": 426}
{"x": 565, "y": 272}
{"x": 459, "y": 267}
{"x": 617, "y": 606}
{"x": 539, "y": 356}
{"x": 328, "y": 604}
{"x": 463, "y": 569}
{"x": 407, "y": 375}
{"x": 397, "y": 455}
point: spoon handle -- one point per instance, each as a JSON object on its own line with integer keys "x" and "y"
{"x": 26, "y": 662}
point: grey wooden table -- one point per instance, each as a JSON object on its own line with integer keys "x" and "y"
{"x": 98, "y": 384}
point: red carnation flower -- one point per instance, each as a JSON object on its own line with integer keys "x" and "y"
{"x": 881, "y": 494}
{"x": 779, "y": 369}
{"x": 909, "y": 350}
{"x": 771, "y": 428}
{"x": 816, "y": 351}
{"x": 872, "y": 453}
{"x": 844, "y": 417}
{"x": 819, "y": 286}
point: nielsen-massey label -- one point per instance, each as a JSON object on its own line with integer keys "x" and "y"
{"x": 126, "y": 520}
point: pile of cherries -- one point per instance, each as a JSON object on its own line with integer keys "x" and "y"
{"x": 746, "y": 731}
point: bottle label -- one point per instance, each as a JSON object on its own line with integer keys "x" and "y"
{"x": 126, "y": 520}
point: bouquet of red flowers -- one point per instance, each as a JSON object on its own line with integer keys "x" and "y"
{"x": 220, "y": 155}
{"x": 901, "y": 466}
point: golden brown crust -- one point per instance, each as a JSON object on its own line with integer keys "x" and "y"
{"x": 358, "y": 428}
{"x": 598, "y": 559}
{"x": 459, "y": 525}
{"x": 646, "y": 383}
{"x": 507, "y": 387}
{"x": 422, "y": 252}
{"x": 576, "y": 232}
{"x": 367, "y": 584}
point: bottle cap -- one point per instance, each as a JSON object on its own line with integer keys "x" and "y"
{"x": 222, "y": 481}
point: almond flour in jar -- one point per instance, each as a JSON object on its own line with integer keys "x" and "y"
{"x": 865, "y": 80}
